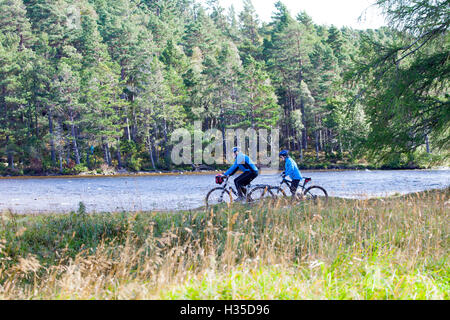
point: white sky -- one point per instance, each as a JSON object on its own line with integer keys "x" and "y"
{"x": 323, "y": 12}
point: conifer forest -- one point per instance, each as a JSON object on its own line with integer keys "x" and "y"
{"x": 91, "y": 83}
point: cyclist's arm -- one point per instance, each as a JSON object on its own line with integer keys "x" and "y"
{"x": 232, "y": 170}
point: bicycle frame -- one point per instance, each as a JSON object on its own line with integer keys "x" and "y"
{"x": 226, "y": 187}
{"x": 289, "y": 183}
{"x": 247, "y": 187}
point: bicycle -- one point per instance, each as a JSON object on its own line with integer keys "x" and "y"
{"x": 313, "y": 193}
{"x": 224, "y": 194}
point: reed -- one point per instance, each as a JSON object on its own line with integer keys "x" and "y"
{"x": 391, "y": 248}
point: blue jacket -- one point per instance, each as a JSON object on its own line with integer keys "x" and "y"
{"x": 242, "y": 162}
{"x": 292, "y": 170}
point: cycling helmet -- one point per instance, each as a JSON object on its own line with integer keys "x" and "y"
{"x": 284, "y": 153}
{"x": 236, "y": 149}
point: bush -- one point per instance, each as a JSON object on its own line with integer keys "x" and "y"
{"x": 35, "y": 167}
{"x": 2, "y": 168}
{"x": 395, "y": 161}
{"x": 80, "y": 168}
{"x": 76, "y": 169}
{"x": 428, "y": 160}
{"x": 12, "y": 172}
{"x": 134, "y": 164}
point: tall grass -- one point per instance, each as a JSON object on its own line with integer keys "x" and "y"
{"x": 392, "y": 248}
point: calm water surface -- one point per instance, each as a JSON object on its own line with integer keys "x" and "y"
{"x": 188, "y": 191}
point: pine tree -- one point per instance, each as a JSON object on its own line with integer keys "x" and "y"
{"x": 251, "y": 40}
{"x": 405, "y": 81}
{"x": 16, "y": 59}
{"x": 258, "y": 107}
{"x": 67, "y": 89}
{"x": 287, "y": 57}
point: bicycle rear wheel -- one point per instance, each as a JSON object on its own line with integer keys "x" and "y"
{"x": 316, "y": 195}
{"x": 260, "y": 193}
{"x": 218, "y": 196}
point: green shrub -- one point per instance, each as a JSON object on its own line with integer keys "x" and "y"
{"x": 2, "y": 168}
{"x": 12, "y": 172}
{"x": 134, "y": 164}
{"x": 80, "y": 168}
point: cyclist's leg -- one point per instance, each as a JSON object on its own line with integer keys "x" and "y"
{"x": 251, "y": 176}
{"x": 294, "y": 186}
{"x": 243, "y": 180}
{"x": 239, "y": 182}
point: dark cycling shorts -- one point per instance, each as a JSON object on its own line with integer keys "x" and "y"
{"x": 243, "y": 180}
{"x": 294, "y": 185}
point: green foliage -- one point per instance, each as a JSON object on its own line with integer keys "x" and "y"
{"x": 81, "y": 209}
{"x": 120, "y": 78}
{"x": 405, "y": 92}
{"x": 80, "y": 168}
{"x": 134, "y": 163}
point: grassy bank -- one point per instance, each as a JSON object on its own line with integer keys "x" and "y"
{"x": 393, "y": 248}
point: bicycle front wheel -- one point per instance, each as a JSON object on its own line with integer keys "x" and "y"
{"x": 218, "y": 196}
{"x": 278, "y": 193}
{"x": 316, "y": 195}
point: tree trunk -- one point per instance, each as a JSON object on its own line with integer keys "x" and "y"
{"x": 294, "y": 129}
{"x": 224, "y": 143}
{"x": 321, "y": 139}
{"x": 317, "y": 145}
{"x": 427, "y": 143}
{"x": 166, "y": 145}
{"x": 36, "y": 128}
{"x": 119, "y": 157}
{"x": 304, "y": 138}
{"x": 68, "y": 152}
{"x": 105, "y": 152}
{"x": 74, "y": 141}
{"x": 157, "y": 152}
{"x": 330, "y": 136}
{"x": 10, "y": 160}
{"x": 10, "y": 156}
{"x": 350, "y": 148}
{"x": 150, "y": 150}
{"x": 60, "y": 161}
{"x": 108, "y": 153}
{"x": 301, "y": 148}
{"x": 52, "y": 139}
{"x": 134, "y": 126}
{"x": 128, "y": 129}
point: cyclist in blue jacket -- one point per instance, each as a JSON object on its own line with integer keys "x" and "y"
{"x": 291, "y": 170}
{"x": 246, "y": 165}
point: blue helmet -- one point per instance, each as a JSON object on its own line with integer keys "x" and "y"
{"x": 236, "y": 149}
{"x": 284, "y": 153}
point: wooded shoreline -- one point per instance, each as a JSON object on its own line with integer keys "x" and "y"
{"x": 201, "y": 172}
{"x": 106, "y": 83}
